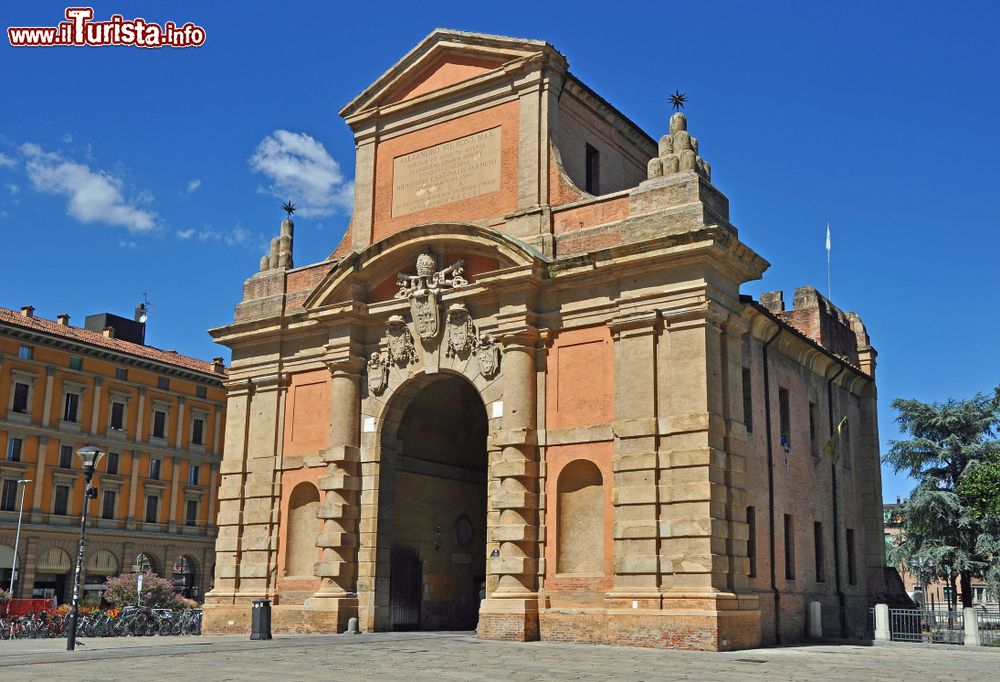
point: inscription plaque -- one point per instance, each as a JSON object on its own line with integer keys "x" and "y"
{"x": 447, "y": 172}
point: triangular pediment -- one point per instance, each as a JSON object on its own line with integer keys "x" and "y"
{"x": 440, "y": 61}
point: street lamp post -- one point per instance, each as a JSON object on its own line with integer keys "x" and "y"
{"x": 90, "y": 456}
{"x": 17, "y": 537}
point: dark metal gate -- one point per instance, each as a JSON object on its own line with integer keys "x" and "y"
{"x": 405, "y": 580}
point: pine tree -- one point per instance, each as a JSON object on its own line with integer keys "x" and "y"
{"x": 942, "y": 532}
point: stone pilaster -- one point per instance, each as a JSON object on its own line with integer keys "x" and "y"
{"x": 636, "y": 565}
{"x": 511, "y": 610}
{"x": 870, "y": 543}
{"x": 337, "y": 599}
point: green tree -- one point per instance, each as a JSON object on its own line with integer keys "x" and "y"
{"x": 941, "y": 532}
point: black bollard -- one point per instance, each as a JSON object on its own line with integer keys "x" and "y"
{"x": 261, "y": 619}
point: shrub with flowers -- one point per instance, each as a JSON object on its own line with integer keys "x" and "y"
{"x": 4, "y": 595}
{"x": 157, "y": 592}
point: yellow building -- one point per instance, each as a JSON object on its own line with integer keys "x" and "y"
{"x": 157, "y": 414}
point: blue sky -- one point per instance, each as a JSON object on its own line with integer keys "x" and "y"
{"x": 127, "y": 170}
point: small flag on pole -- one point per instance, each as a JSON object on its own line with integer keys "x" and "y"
{"x": 832, "y": 448}
{"x": 829, "y": 288}
{"x": 828, "y": 237}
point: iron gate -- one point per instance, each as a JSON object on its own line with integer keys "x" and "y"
{"x": 405, "y": 582}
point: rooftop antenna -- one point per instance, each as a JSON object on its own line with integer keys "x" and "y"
{"x": 142, "y": 313}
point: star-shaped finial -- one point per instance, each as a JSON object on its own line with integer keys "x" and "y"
{"x": 289, "y": 208}
{"x": 678, "y": 99}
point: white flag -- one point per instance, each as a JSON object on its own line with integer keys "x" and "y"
{"x": 828, "y": 237}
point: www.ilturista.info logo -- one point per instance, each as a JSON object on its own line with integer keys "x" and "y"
{"x": 80, "y": 29}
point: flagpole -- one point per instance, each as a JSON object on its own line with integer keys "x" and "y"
{"x": 829, "y": 291}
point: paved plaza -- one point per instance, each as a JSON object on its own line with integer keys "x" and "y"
{"x": 460, "y": 656}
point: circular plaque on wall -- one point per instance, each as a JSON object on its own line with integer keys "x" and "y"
{"x": 463, "y": 531}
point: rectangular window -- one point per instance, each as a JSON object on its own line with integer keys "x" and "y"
{"x": 14, "y": 450}
{"x": 76, "y": 363}
{"x": 154, "y": 469}
{"x": 112, "y": 463}
{"x": 593, "y": 171}
{"x": 108, "y": 507}
{"x": 61, "y": 507}
{"x": 785, "y": 419}
{"x": 24, "y": 352}
{"x": 191, "y": 513}
{"x": 118, "y": 416}
{"x": 814, "y": 430}
{"x": 789, "y": 548}
{"x": 820, "y": 557}
{"x": 72, "y": 408}
{"x": 193, "y": 471}
{"x": 200, "y": 392}
{"x": 752, "y": 540}
{"x": 8, "y": 497}
{"x": 66, "y": 457}
{"x": 197, "y": 431}
{"x": 747, "y": 400}
{"x": 121, "y": 373}
{"x": 852, "y": 573}
{"x": 163, "y": 383}
{"x": 152, "y": 508}
{"x": 159, "y": 424}
{"x": 20, "y": 398}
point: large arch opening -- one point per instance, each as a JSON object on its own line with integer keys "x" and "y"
{"x": 432, "y": 512}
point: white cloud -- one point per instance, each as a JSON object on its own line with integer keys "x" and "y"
{"x": 127, "y": 244}
{"x": 193, "y": 185}
{"x": 302, "y": 171}
{"x": 12, "y": 188}
{"x": 94, "y": 196}
{"x": 6, "y": 161}
{"x": 236, "y": 236}
{"x": 67, "y": 138}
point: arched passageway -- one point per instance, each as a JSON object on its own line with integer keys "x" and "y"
{"x": 433, "y": 506}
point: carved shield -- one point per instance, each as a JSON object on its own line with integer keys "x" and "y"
{"x": 489, "y": 357}
{"x": 426, "y": 318}
{"x": 460, "y": 330}
{"x": 378, "y": 374}
{"x": 400, "y": 342}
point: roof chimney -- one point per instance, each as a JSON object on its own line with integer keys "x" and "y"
{"x": 218, "y": 365}
{"x": 63, "y": 319}
{"x": 28, "y": 311}
{"x": 109, "y": 332}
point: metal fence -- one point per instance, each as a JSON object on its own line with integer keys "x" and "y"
{"x": 989, "y": 626}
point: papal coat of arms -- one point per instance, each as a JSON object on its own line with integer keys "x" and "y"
{"x": 423, "y": 290}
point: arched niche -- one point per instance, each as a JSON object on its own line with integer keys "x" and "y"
{"x": 580, "y": 519}
{"x": 301, "y": 553}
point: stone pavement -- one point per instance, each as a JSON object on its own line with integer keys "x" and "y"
{"x": 415, "y": 656}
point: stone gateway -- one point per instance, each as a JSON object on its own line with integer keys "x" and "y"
{"x": 525, "y": 395}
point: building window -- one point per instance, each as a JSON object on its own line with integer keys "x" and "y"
{"x": 8, "y": 497}
{"x": 814, "y": 430}
{"x": 852, "y": 573}
{"x": 785, "y": 420}
{"x": 154, "y": 469}
{"x": 112, "y": 463}
{"x": 108, "y": 507}
{"x": 152, "y": 508}
{"x": 752, "y": 540}
{"x": 789, "y": 548}
{"x": 193, "y": 474}
{"x": 747, "y": 400}
{"x": 25, "y": 352}
{"x": 197, "y": 431}
{"x": 820, "y": 557}
{"x": 66, "y": 457}
{"x": 76, "y": 363}
{"x": 142, "y": 564}
{"x": 593, "y": 170}
{"x": 118, "y": 416}
{"x": 14, "y": 450}
{"x": 61, "y": 507}
{"x": 163, "y": 383}
{"x": 21, "y": 392}
{"x": 159, "y": 424}
{"x": 191, "y": 513}
{"x": 200, "y": 392}
{"x": 71, "y": 409}
{"x": 121, "y": 373}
